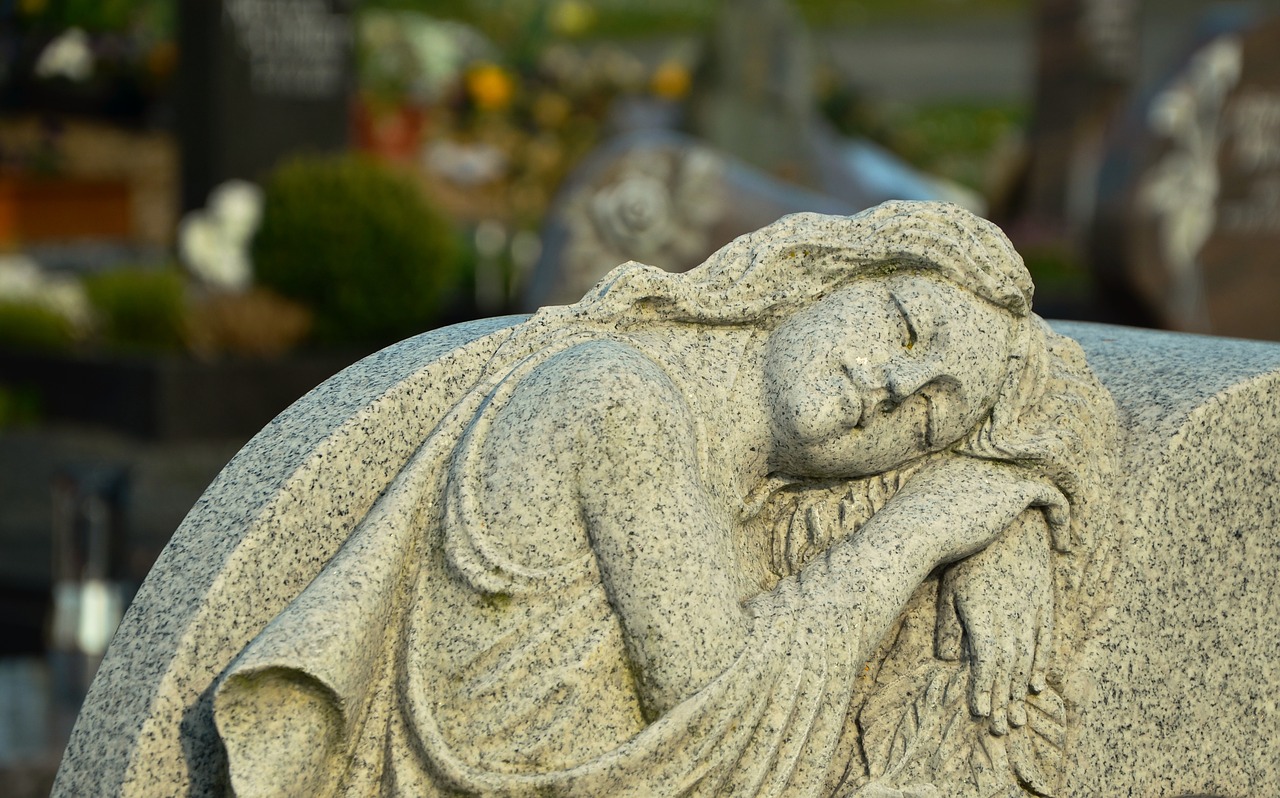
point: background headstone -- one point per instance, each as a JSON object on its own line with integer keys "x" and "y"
{"x": 754, "y": 98}
{"x": 1189, "y": 223}
{"x": 259, "y": 80}
{"x": 1086, "y": 59}
{"x": 753, "y": 95}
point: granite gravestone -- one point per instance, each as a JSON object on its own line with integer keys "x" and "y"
{"x": 260, "y": 80}
{"x": 683, "y": 538}
{"x": 1189, "y": 221}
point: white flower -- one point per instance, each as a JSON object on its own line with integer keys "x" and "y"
{"x": 214, "y": 243}
{"x": 22, "y": 280}
{"x": 68, "y": 56}
{"x": 237, "y": 207}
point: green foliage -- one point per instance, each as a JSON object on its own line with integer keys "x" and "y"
{"x": 357, "y": 244}
{"x": 855, "y": 12}
{"x": 28, "y": 325}
{"x": 506, "y": 20}
{"x": 1056, "y": 271}
{"x": 158, "y": 17}
{"x": 139, "y": 308}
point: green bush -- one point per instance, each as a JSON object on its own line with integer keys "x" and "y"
{"x": 359, "y": 245}
{"x": 139, "y": 308}
{"x": 28, "y": 325}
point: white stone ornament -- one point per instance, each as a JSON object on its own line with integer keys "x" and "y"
{"x": 833, "y": 514}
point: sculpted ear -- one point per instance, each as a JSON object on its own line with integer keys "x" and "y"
{"x": 283, "y": 733}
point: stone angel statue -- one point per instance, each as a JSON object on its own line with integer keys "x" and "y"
{"x": 817, "y": 518}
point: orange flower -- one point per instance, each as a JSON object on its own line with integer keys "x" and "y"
{"x": 670, "y": 81}
{"x": 490, "y": 87}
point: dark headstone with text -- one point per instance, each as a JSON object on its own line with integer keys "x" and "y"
{"x": 260, "y": 80}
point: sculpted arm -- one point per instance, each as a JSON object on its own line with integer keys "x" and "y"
{"x": 662, "y": 543}
{"x": 949, "y": 511}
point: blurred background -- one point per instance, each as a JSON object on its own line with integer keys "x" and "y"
{"x": 209, "y": 206}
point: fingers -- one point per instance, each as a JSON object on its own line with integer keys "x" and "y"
{"x": 1060, "y": 536}
{"x": 981, "y": 681}
{"x": 1044, "y": 647}
{"x": 1000, "y": 702}
{"x": 1001, "y": 675}
{"x": 1057, "y": 511}
{"x": 1019, "y": 678}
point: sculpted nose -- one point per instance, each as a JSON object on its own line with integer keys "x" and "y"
{"x": 907, "y": 378}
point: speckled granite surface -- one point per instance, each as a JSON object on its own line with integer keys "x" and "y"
{"x": 146, "y": 730}
{"x": 1179, "y": 684}
{"x": 775, "y": 527}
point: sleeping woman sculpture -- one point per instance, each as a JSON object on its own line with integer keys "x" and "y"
{"x": 813, "y": 519}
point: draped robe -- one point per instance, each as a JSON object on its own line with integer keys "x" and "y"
{"x": 422, "y": 661}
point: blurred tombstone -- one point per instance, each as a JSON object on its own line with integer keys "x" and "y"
{"x": 1086, "y": 61}
{"x": 754, "y": 99}
{"x": 1196, "y": 201}
{"x": 753, "y": 95}
{"x": 90, "y": 583}
{"x": 260, "y": 80}
{"x": 660, "y": 198}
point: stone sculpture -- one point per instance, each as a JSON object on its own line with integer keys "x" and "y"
{"x": 828, "y": 515}
{"x": 622, "y": 619}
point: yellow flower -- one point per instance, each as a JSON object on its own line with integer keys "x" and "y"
{"x": 490, "y": 87}
{"x": 670, "y": 80}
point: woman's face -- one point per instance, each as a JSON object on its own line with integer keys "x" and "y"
{"x": 882, "y": 372}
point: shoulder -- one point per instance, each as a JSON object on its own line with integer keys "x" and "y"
{"x": 606, "y": 378}
{"x": 599, "y": 403}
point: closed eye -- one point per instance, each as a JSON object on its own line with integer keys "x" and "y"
{"x": 911, "y": 337}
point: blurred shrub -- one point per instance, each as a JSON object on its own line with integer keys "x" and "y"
{"x": 359, "y": 245}
{"x": 30, "y": 325}
{"x": 1056, "y": 271}
{"x": 139, "y": 308}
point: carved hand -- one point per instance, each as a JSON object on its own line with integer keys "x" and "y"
{"x": 977, "y": 500}
{"x": 1001, "y": 601}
